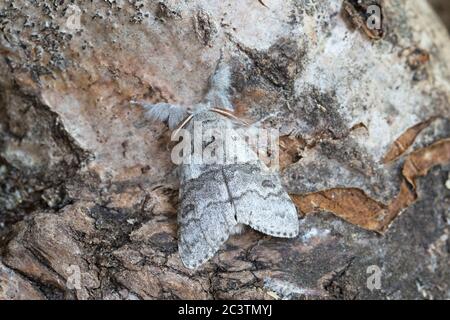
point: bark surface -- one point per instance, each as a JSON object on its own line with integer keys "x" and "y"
{"x": 88, "y": 194}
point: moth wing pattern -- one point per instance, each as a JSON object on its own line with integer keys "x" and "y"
{"x": 215, "y": 198}
{"x": 258, "y": 196}
{"x": 206, "y": 217}
{"x": 260, "y": 200}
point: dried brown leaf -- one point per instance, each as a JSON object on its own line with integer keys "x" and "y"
{"x": 354, "y": 206}
{"x": 421, "y": 161}
{"x": 405, "y": 141}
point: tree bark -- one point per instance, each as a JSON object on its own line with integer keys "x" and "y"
{"x": 89, "y": 195}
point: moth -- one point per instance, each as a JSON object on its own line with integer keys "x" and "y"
{"x": 219, "y": 197}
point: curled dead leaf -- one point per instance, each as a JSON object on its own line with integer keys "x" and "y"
{"x": 421, "y": 161}
{"x": 405, "y": 141}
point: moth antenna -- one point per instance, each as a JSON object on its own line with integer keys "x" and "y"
{"x": 167, "y": 113}
{"x": 219, "y": 85}
{"x": 181, "y": 126}
{"x": 227, "y": 113}
{"x": 221, "y": 79}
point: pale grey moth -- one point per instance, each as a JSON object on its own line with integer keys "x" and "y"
{"x": 217, "y": 199}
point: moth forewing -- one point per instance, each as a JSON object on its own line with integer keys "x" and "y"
{"x": 205, "y": 217}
